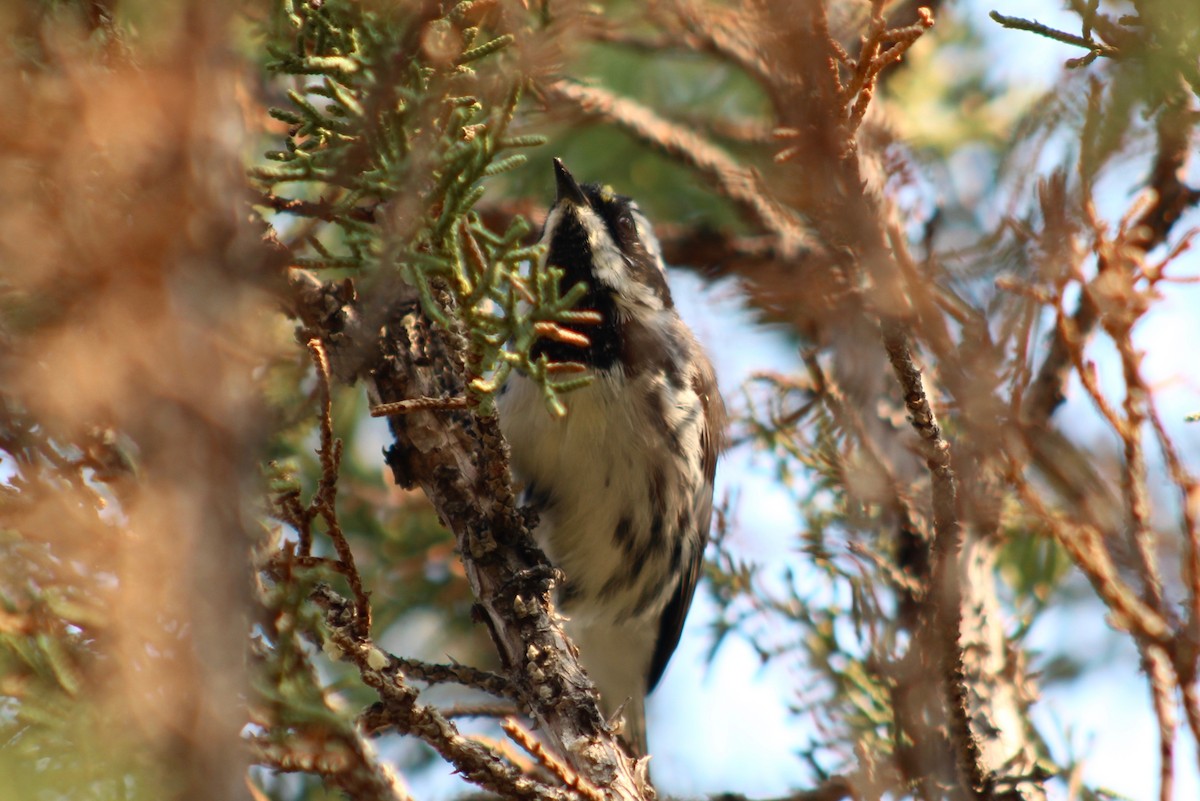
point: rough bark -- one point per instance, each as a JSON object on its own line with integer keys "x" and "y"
{"x": 460, "y": 460}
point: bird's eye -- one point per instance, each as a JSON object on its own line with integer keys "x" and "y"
{"x": 627, "y": 230}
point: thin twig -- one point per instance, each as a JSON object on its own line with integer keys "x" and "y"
{"x": 420, "y": 405}
{"x": 1020, "y": 24}
{"x": 1189, "y": 490}
{"x": 1134, "y": 475}
{"x": 1084, "y": 544}
{"x": 881, "y": 47}
{"x": 1191, "y": 708}
{"x": 465, "y": 675}
{"x": 325, "y": 499}
{"x": 1162, "y": 695}
{"x": 479, "y": 711}
{"x": 344, "y": 761}
{"x": 320, "y": 210}
{"x": 556, "y": 767}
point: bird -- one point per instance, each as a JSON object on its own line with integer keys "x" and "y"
{"x": 623, "y": 482}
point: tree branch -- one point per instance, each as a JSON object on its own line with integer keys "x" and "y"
{"x": 945, "y": 600}
{"x": 398, "y": 706}
{"x": 459, "y": 459}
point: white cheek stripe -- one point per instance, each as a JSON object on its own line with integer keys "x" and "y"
{"x": 646, "y": 234}
{"x": 612, "y": 268}
{"x": 552, "y": 221}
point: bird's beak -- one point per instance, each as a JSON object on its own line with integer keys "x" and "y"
{"x": 568, "y": 187}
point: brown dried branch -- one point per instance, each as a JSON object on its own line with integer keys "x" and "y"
{"x": 903, "y": 300}
{"x": 1188, "y": 653}
{"x": 852, "y": 221}
{"x": 1156, "y": 667}
{"x": 524, "y": 738}
{"x": 1170, "y": 197}
{"x": 1191, "y": 705}
{"x": 1085, "y": 544}
{"x": 1048, "y": 389}
{"x": 881, "y": 47}
{"x": 929, "y": 307}
{"x": 1137, "y": 501}
{"x": 1112, "y": 298}
{"x": 739, "y": 184}
{"x": 724, "y": 32}
{"x": 1083, "y": 368}
{"x": 874, "y": 58}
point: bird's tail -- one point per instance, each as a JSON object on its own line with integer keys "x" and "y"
{"x": 634, "y": 730}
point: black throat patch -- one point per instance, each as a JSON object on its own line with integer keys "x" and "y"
{"x": 569, "y": 251}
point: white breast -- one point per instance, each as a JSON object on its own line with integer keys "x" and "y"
{"x": 604, "y": 476}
